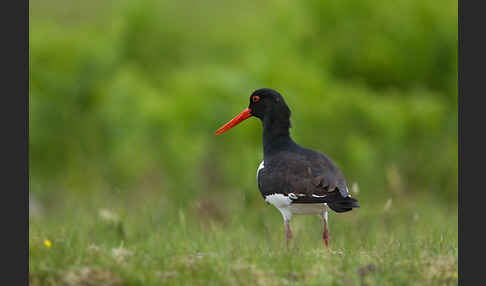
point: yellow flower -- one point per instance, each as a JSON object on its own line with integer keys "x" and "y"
{"x": 47, "y": 243}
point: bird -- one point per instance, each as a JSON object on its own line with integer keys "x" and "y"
{"x": 294, "y": 179}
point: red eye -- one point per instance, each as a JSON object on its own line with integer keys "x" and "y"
{"x": 255, "y": 99}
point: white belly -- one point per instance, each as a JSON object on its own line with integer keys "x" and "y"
{"x": 287, "y": 208}
{"x": 306, "y": 209}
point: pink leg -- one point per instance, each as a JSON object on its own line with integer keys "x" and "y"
{"x": 288, "y": 232}
{"x": 325, "y": 234}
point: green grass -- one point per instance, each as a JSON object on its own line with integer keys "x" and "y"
{"x": 146, "y": 241}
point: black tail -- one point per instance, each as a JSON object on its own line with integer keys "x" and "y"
{"x": 341, "y": 205}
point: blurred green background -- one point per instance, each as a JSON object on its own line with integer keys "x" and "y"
{"x": 125, "y": 97}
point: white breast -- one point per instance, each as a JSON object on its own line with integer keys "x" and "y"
{"x": 262, "y": 165}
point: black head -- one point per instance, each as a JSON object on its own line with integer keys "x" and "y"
{"x": 268, "y": 102}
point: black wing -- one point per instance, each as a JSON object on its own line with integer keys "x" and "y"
{"x": 306, "y": 177}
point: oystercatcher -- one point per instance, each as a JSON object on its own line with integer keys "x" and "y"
{"x": 294, "y": 179}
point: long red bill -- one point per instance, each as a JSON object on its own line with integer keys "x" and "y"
{"x": 245, "y": 114}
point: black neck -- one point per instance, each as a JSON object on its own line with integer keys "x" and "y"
{"x": 276, "y": 135}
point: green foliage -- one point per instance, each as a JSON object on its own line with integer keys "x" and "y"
{"x": 140, "y": 93}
